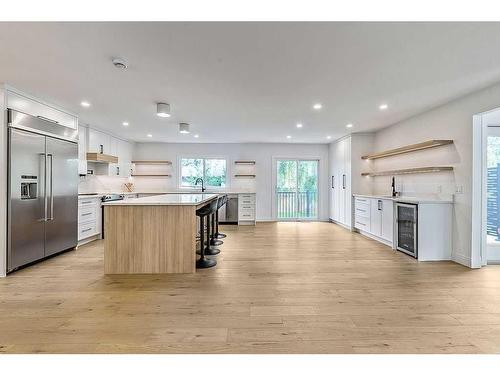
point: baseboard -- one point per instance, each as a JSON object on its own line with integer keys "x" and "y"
{"x": 461, "y": 259}
{"x": 341, "y": 224}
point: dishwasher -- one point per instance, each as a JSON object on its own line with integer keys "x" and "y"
{"x": 229, "y": 212}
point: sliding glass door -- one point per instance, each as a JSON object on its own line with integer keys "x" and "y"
{"x": 296, "y": 194}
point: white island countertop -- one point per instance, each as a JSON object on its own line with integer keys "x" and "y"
{"x": 165, "y": 200}
{"x": 408, "y": 199}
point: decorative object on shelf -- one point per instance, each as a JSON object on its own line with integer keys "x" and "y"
{"x": 408, "y": 171}
{"x": 167, "y": 162}
{"x": 245, "y": 162}
{"x": 129, "y": 186}
{"x": 410, "y": 148}
{"x": 245, "y": 175}
{"x": 101, "y": 158}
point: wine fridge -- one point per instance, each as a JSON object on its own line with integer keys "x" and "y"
{"x": 407, "y": 228}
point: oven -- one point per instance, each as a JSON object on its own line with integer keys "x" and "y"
{"x": 108, "y": 198}
{"x": 407, "y": 228}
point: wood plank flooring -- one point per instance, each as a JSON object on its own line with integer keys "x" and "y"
{"x": 278, "y": 288}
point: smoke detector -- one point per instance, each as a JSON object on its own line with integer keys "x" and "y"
{"x": 120, "y": 63}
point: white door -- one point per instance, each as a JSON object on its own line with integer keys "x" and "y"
{"x": 333, "y": 181}
{"x": 296, "y": 189}
{"x": 387, "y": 219}
{"x": 341, "y": 177}
{"x": 98, "y": 141}
{"x": 347, "y": 182}
{"x": 493, "y": 195}
{"x": 376, "y": 217}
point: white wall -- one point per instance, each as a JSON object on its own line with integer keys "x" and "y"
{"x": 262, "y": 153}
{"x": 449, "y": 121}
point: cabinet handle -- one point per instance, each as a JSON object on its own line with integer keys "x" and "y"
{"x": 101, "y": 149}
{"x": 333, "y": 182}
{"x": 87, "y": 214}
{"x": 359, "y": 209}
{"x": 379, "y": 205}
{"x": 86, "y": 230}
{"x": 357, "y": 222}
{"x": 343, "y": 181}
{"x": 48, "y": 119}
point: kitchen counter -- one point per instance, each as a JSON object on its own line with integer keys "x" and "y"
{"x": 404, "y": 199}
{"x": 152, "y": 235}
{"x": 166, "y": 200}
{"x": 232, "y": 191}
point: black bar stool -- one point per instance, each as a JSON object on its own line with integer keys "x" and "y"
{"x": 219, "y": 206}
{"x": 202, "y": 213}
{"x": 215, "y": 223}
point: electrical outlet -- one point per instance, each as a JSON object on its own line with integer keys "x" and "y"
{"x": 459, "y": 189}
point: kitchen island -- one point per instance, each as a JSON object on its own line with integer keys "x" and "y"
{"x": 154, "y": 234}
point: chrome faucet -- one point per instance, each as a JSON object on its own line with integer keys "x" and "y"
{"x": 202, "y": 184}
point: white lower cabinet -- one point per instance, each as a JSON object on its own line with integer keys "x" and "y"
{"x": 246, "y": 209}
{"x": 89, "y": 217}
{"x": 375, "y": 217}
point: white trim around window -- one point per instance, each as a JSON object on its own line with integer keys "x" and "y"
{"x": 228, "y": 171}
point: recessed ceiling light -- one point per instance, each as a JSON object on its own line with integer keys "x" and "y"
{"x": 328, "y": 137}
{"x": 288, "y": 136}
{"x": 317, "y": 106}
{"x": 85, "y": 104}
{"x": 299, "y": 125}
{"x": 383, "y": 107}
{"x": 150, "y": 135}
{"x": 196, "y": 136}
{"x": 348, "y": 126}
{"x": 125, "y": 123}
{"x": 163, "y": 110}
{"x": 184, "y": 128}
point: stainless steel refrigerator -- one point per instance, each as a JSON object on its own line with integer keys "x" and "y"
{"x": 43, "y": 189}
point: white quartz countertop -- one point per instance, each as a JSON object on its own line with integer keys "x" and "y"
{"x": 166, "y": 200}
{"x": 409, "y": 199}
{"x": 100, "y": 194}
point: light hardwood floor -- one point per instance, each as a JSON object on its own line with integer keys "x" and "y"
{"x": 278, "y": 288}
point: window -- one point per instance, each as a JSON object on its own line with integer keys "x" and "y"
{"x": 213, "y": 172}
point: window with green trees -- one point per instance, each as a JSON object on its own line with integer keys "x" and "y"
{"x": 213, "y": 171}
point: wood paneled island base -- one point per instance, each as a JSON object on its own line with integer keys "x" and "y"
{"x": 152, "y": 235}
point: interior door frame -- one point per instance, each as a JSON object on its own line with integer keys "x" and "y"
{"x": 274, "y": 186}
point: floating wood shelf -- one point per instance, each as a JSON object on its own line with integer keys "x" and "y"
{"x": 151, "y": 175}
{"x": 245, "y": 175}
{"x": 101, "y": 158}
{"x": 245, "y": 162}
{"x": 408, "y": 171}
{"x": 166, "y": 162}
{"x": 409, "y": 148}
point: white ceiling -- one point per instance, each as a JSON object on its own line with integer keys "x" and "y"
{"x": 248, "y": 82}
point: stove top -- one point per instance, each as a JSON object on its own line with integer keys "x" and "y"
{"x": 112, "y": 197}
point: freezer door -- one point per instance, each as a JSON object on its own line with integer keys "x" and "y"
{"x": 26, "y": 202}
{"x": 61, "y": 228}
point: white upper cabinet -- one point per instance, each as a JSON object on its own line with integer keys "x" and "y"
{"x": 99, "y": 142}
{"x": 82, "y": 149}
{"x": 35, "y": 108}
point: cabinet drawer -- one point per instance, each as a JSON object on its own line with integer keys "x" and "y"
{"x": 247, "y": 206}
{"x": 246, "y": 198}
{"x": 86, "y": 214}
{"x": 362, "y": 211}
{"x": 246, "y": 215}
{"x": 87, "y": 230}
{"x": 362, "y": 223}
{"x": 88, "y": 202}
{"x": 358, "y": 200}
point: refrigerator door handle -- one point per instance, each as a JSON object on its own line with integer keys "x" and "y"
{"x": 44, "y": 218}
{"x": 51, "y": 217}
